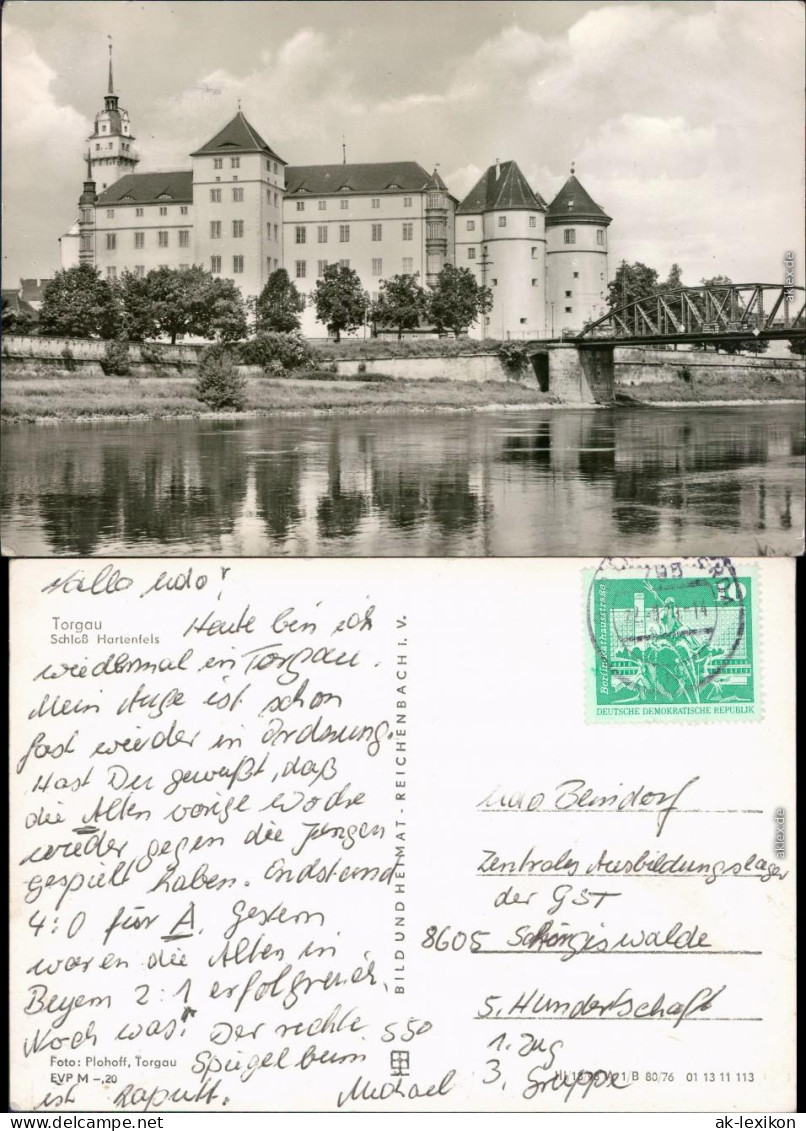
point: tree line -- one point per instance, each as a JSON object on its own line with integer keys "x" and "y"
{"x": 190, "y": 301}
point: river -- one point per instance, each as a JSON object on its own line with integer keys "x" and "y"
{"x": 539, "y": 482}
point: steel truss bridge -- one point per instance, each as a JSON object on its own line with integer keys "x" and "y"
{"x": 734, "y": 312}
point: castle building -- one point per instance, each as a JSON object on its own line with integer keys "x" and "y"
{"x": 576, "y": 258}
{"x": 241, "y": 212}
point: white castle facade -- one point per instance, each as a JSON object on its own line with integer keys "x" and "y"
{"x": 241, "y": 211}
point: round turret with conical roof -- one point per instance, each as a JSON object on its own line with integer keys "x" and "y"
{"x": 576, "y": 240}
{"x": 500, "y": 235}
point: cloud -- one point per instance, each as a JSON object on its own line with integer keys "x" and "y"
{"x": 43, "y": 143}
{"x": 685, "y": 122}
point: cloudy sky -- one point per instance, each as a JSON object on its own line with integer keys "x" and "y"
{"x": 685, "y": 119}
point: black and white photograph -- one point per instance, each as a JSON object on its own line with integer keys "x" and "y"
{"x": 402, "y": 278}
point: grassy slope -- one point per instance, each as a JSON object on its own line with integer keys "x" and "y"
{"x": 71, "y": 397}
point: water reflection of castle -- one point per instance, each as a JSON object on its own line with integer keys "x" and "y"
{"x": 478, "y": 485}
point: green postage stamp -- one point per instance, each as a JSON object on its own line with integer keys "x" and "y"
{"x": 671, "y": 640}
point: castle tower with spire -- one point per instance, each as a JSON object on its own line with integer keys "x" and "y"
{"x": 111, "y": 152}
{"x": 576, "y": 233}
{"x": 500, "y": 236}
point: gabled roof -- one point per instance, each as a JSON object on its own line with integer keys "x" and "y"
{"x": 501, "y": 188}
{"x": 572, "y": 202}
{"x": 376, "y": 177}
{"x": 148, "y": 188}
{"x": 238, "y": 136}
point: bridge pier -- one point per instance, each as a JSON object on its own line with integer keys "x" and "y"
{"x": 576, "y": 375}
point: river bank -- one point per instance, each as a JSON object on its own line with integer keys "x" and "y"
{"x": 75, "y": 397}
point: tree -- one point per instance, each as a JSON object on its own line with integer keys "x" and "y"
{"x": 17, "y": 320}
{"x": 632, "y": 281}
{"x": 340, "y": 300}
{"x": 401, "y": 303}
{"x": 674, "y": 280}
{"x": 138, "y": 311}
{"x": 78, "y": 303}
{"x": 219, "y": 384}
{"x": 279, "y": 305}
{"x": 228, "y": 313}
{"x": 458, "y": 300}
{"x": 189, "y": 300}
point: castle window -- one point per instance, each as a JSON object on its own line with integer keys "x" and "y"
{"x": 494, "y": 282}
{"x": 275, "y": 166}
{"x": 110, "y": 213}
{"x": 139, "y": 239}
{"x": 569, "y": 235}
{"x": 275, "y": 200}
{"x": 215, "y": 229}
{"x": 86, "y": 243}
{"x": 471, "y": 225}
{"x": 471, "y": 253}
{"x": 138, "y": 211}
{"x": 111, "y": 274}
{"x": 276, "y": 232}
{"x": 408, "y": 264}
{"x": 300, "y": 235}
{"x": 568, "y": 310}
{"x": 407, "y": 202}
{"x": 215, "y": 264}
{"x": 103, "y": 129}
{"x": 235, "y": 163}
{"x": 343, "y": 204}
{"x": 567, "y": 294}
{"x": 86, "y": 214}
{"x": 237, "y": 265}
{"x": 300, "y": 206}
{"x": 184, "y": 239}
{"x": 162, "y": 239}
{"x": 301, "y": 268}
{"x": 523, "y": 321}
{"x": 139, "y": 271}
{"x": 268, "y": 231}
{"x": 533, "y": 221}
{"x": 377, "y": 232}
{"x": 268, "y": 166}
{"x": 321, "y": 233}
{"x": 237, "y": 195}
{"x": 502, "y": 221}
{"x": 322, "y": 205}
{"x": 344, "y": 263}
{"x": 163, "y": 211}
{"x": 237, "y": 229}
{"x": 600, "y": 236}
{"x": 109, "y": 145}
{"x": 111, "y": 241}
{"x": 435, "y": 200}
{"x": 321, "y": 264}
{"x": 576, "y": 274}
{"x": 408, "y": 230}
{"x": 215, "y": 195}
{"x": 534, "y": 282}
{"x": 377, "y": 266}
{"x": 218, "y": 162}
{"x": 183, "y": 210}
{"x": 376, "y": 202}
{"x": 97, "y": 145}
{"x": 344, "y": 233}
